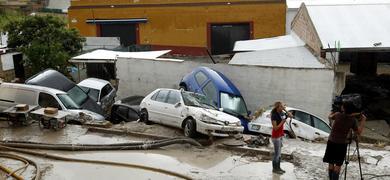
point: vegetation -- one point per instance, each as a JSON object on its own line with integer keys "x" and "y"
{"x": 45, "y": 41}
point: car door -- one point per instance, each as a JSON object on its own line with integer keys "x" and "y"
{"x": 47, "y": 100}
{"x": 322, "y": 129}
{"x": 173, "y": 109}
{"x": 107, "y": 96}
{"x": 301, "y": 125}
{"x": 156, "y": 108}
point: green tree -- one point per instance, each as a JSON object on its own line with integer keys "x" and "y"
{"x": 7, "y": 15}
{"x": 45, "y": 41}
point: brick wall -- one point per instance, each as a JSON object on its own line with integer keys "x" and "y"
{"x": 304, "y": 28}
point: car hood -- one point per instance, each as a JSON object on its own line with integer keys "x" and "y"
{"x": 218, "y": 115}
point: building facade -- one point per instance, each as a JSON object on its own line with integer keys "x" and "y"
{"x": 189, "y": 27}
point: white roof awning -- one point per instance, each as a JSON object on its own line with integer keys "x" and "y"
{"x": 291, "y": 40}
{"x": 293, "y": 57}
{"x": 107, "y": 56}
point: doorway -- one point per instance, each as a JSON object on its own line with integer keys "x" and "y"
{"x": 223, "y": 36}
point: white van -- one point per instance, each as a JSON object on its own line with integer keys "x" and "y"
{"x": 13, "y": 93}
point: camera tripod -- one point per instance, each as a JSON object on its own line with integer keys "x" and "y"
{"x": 353, "y": 138}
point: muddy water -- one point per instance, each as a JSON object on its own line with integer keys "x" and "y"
{"x": 208, "y": 163}
{"x": 71, "y": 134}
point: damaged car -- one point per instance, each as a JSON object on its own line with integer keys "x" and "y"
{"x": 126, "y": 110}
{"x": 101, "y": 91}
{"x": 192, "y": 112}
{"x": 14, "y": 93}
{"x": 303, "y": 125}
{"x": 54, "y": 79}
{"x": 217, "y": 87}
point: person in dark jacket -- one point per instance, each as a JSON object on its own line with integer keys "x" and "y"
{"x": 340, "y": 137}
{"x": 278, "y": 118}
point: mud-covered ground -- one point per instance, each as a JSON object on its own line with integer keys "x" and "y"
{"x": 210, "y": 162}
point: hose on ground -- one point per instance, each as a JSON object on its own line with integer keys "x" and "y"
{"x": 9, "y": 172}
{"x": 27, "y": 163}
{"x": 115, "y": 144}
{"x": 61, "y": 158}
{"x": 376, "y": 175}
{"x": 71, "y": 147}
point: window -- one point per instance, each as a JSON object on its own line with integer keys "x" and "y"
{"x": 155, "y": 95}
{"x": 174, "y": 97}
{"x": 47, "y": 100}
{"x": 78, "y": 95}
{"x": 302, "y": 117}
{"x": 200, "y": 78}
{"x": 233, "y": 104}
{"x": 67, "y": 101}
{"x": 162, "y": 96}
{"x": 93, "y": 93}
{"x": 106, "y": 90}
{"x": 211, "y": 92}
{"x": 321, "y": 125}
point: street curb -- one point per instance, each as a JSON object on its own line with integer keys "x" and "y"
{"x": 124, "y": 132}
{"x": 243, "y": 149}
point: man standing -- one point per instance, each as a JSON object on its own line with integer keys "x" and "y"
{"x": 277, "y": 134}
{"x": 337, "y": 144}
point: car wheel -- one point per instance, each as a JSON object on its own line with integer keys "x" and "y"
{"x": 183, "y": 87}
{"x": 289, "y": 134}
{"x": 144, "y": 116}
{"x": 190, "y": 128}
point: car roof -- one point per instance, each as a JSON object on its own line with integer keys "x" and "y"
{"x": 94, "y": 83}
{"x": 295, "y": 109}
{"x": 27, "y": 86}
{"x": 51, "y": 78}
{"x": 221, "y": 82}
{"x": 169, "y": 89}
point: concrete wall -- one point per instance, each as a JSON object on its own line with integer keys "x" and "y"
{"x": 309, "y": 89}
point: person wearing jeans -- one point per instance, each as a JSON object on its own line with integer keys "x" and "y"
{"x": 277, "y": 113}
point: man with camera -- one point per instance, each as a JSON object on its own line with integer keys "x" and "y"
{"x": 341, "y": 136}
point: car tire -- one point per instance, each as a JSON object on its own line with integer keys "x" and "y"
{"x": 183, "y": 87}
{"x": 289, "y": 134}
{"x": 144, "y": 116}
{"x": 190, "y": 128}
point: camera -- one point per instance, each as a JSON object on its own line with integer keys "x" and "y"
{"x": 354, "y": 99}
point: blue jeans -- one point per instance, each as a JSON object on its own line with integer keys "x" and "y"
{"x": 277, "y": 151}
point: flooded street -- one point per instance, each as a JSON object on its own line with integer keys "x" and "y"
{"x": 210, "y": 162}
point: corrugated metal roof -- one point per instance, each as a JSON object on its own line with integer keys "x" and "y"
{"x": 352, "y": 26}
{"x": 292, "y": 57}
{"x": 291, "y": 40}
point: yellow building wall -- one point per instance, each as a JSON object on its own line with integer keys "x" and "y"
{"x": 184, "y": 25}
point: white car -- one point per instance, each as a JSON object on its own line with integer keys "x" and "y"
{"x": 188, "y": 110}
{"x": 303, "y": 125}
{"x": 100, "y": 91}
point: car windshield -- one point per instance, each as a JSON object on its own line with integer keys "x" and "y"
{"x": 235, "y": 104}
{"x": 77, "y": 95}
{"x": 93, "y": 93}
{"x": 197, "y": 100}
{"x": 67, "y": 101}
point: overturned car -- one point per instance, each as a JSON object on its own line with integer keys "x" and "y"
{"x": 54, "y": 79}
